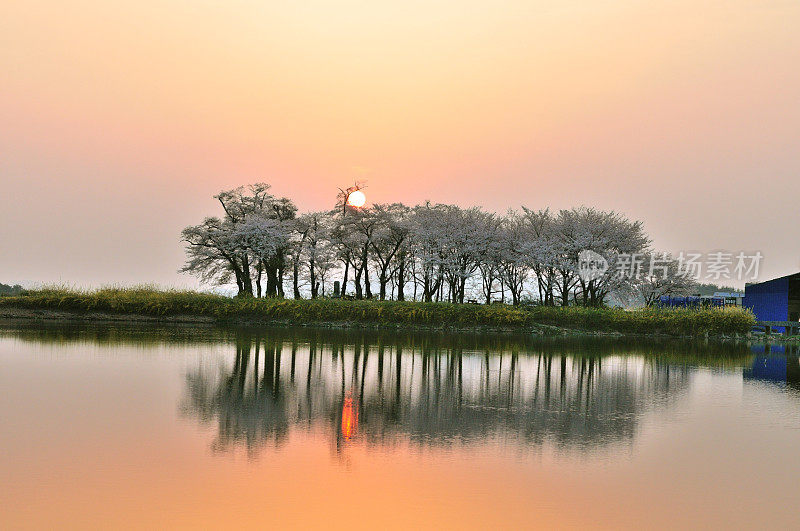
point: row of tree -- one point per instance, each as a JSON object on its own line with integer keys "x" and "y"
{"x": 6, "y": 289}
{"x": 429, "y": 252}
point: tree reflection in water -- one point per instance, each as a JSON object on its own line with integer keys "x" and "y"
{"x": 575, "y": 395}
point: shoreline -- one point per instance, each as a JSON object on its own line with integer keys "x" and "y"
{"x": 12, "y": 315}
{"x": 154, "y": 306}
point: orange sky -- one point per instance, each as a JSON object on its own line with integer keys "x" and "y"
{"x": 119, "y": 120}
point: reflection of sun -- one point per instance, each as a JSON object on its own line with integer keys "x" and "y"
{"x": 356, "y": 199}
{"x": 349, "y": 418}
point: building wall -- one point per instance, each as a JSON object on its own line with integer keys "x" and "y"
{"x": 794, "y": 297}
{"x": 769, "y": 300}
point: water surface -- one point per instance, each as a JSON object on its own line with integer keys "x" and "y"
{"x": 183, "y": 427}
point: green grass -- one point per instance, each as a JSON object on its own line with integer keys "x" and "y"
{"x": 157, "y": 303}
{"x": 673, "y": 321}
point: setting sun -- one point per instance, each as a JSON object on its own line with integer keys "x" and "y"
{"x": 356, "y": 199}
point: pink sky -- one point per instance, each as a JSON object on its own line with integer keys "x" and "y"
{"x": 120, "y": 120}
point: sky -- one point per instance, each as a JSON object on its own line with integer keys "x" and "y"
{"x": 120, "y": 120}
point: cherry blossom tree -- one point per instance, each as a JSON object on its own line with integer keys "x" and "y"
{"x": 245, "y": 241}
{"x": 390, "y": 233}
{"x": 446, "y": 251}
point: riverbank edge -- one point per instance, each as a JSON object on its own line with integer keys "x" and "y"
{"x": 164, "y": 306}
{"x": 11, "y": 315}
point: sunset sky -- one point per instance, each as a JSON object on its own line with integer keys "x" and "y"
{"x": 120, "y": 119}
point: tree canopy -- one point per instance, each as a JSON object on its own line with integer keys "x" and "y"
{"x": 430, "y": 252}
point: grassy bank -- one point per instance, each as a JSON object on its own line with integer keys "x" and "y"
{"x": 154, "y": 303}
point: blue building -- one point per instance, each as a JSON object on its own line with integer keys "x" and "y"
{"x": 732, "y": 298}
{"x": 775, "y": 300}
{"x": 695, "y": 301}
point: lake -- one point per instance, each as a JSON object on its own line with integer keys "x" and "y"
{"x": 132, "y": 427}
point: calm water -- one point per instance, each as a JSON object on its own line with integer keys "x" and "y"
{"x": 295, "y": 428}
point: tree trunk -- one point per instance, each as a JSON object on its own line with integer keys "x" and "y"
{"x": 313, "y": 277}
{"x": 401, "y": 273}
{"x": 344, "y": 279}
{"x": 365, "y": 268}
{"x": 426, "y": 288}
{"x": 272, "y": 282}
{"x": 357, "y": 280}
{"x": 247, "y": 281}
{"x": 258, "y": 279}
{"x": 239, "y": 284}
{"x": 279, "y": 279}
{"x": 383, "y": 280}
{"x": 296, "y": 279}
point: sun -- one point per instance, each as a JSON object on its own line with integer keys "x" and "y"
{"x": 356, "y": 199}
